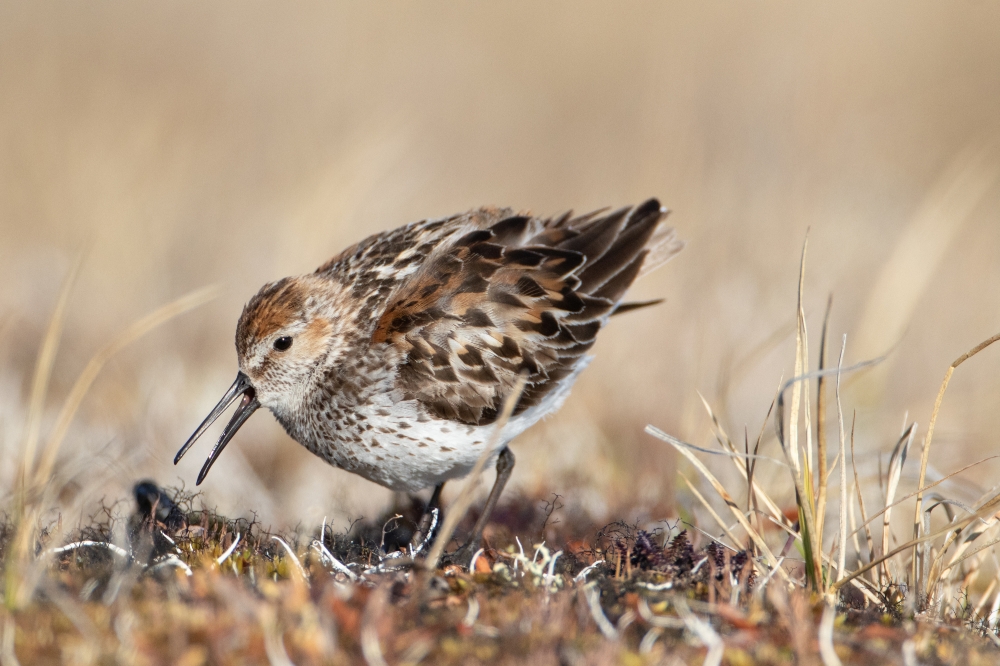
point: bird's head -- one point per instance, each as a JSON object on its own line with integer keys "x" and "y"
{"x": 286, "y": 335}
{"x": 282, "y": 339}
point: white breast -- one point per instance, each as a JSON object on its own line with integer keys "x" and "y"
{"x": 404, "y": 450}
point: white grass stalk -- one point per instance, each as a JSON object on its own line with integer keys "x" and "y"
{"x": 117, "y": 550}
{"x": 582, "y": 576}
{"x": 704, "y": 632}
{"x": 593, "y": 597}
{"x": 826, "y": 651}
{"x": 327, "y": 558}
{"x": 293, "y": 557}
{"x": 172, "y": 560}
{"x": 229, "y": 551}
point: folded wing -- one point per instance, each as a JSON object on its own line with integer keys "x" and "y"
{"x": 516, "y": 294}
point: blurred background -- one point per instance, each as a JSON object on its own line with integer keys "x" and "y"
{"x": 177, "y": 145}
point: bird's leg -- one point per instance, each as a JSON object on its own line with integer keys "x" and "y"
{"x": 435, "y": 501}
{"x": 424, "y": 533}
{"x": 505, "y": 466}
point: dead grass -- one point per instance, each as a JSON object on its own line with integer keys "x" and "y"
{"x": 622, "y": 595}
{"x": 172, "y": 581}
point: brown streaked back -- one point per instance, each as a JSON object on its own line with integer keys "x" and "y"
{"x": 517, "y": 293}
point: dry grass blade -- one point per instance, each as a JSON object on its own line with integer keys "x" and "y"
{"x": 772, "y": 561}
{"x": 810, "y": 518}
{"x": 43, "y": 370}
{"x": 19, "y": 584}
{"x": 913, "y": 494}
{"x": 370, "y": 646}
{"x": 735, "y": 456}
{"x": 976, "y": 530}
{"x": 984, "y": 599}
{"x": 854, "y": 523}
{"x": 810, "y": 494}
{"x": 842, "y": 561}
{"x": 861, "y": 498}
{"x": 806, "y": 523}
{"x": 753, "y": 507}
{"x": 801, "y": 365}
{"x": 956, "y": 561}
{"x": 93, "y": 368}
{"x": 896, "y": 461}
{"x": 926, "y": 452}
{"x": 274, "y": 647}
{"x": 728, "y": 448}
{"x": 7, "y": 655}
{"x": 821, "y": 446}
{"x": 730, "y": 452}
{"x": 708, "y": 507}
{"x": 952, "y": 528}
{"x": 464, "y": 499}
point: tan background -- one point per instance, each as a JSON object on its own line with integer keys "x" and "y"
{"x": 180, "y": 144}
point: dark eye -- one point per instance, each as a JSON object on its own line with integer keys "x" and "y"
{"x": 283, "y": 343}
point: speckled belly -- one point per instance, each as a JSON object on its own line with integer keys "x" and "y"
{"x": 393, "y": 447}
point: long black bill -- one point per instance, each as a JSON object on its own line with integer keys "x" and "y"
{"x": 247, "y": 406}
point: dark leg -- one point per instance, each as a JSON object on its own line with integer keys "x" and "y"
{"x": 505, "y": 466}
{"x": 435, "y": 502}
{"x": 423, "y": 533}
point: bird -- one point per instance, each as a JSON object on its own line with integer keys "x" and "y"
{"x": 393, "y": 359}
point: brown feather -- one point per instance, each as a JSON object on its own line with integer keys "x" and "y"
{"x": 511, "y": 293}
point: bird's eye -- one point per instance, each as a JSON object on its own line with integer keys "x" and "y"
{"x": 283, "y": 343}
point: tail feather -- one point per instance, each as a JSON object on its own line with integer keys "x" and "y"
{"x": 614, "y": 288}
{"x": 629, "y": 242}
{"x": 635, "y": 305}
{"x": 663, "y": 246}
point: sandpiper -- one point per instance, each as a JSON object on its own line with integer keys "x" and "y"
{"x": 393, "y": 359}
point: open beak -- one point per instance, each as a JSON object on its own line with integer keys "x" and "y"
{"x": 247, "y": 406}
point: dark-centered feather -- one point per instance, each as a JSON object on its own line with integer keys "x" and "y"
{"x": 509, "y": 293}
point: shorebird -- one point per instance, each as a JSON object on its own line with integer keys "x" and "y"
{"x": 393, "y": 359}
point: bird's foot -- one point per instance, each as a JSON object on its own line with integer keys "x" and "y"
{"x": 426, "y": 531}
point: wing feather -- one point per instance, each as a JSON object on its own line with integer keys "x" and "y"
{"x": 514, "y": 293}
